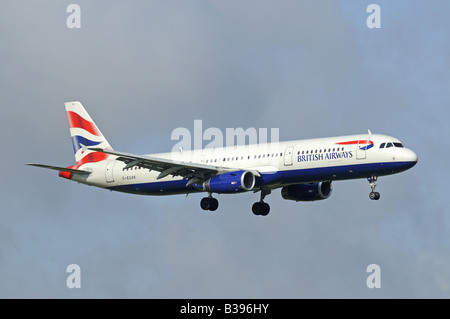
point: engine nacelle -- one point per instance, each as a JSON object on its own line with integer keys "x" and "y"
{"x": 232, "y": 182}
{"x": 307, "y": 192}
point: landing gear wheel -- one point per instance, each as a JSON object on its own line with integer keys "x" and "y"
{"x": 206, "y": 203}
{"x": 266, "y": 209}
{"x": 209, "y": 203}
{"x": 256, "y": 208}
{"x": 261, "y": 208}
{"x": 214, "y": 204}
{"x": 374, "y": 195}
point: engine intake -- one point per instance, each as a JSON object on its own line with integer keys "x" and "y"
{"x": 232, "y": 182}
{"x": 307, "y": 192}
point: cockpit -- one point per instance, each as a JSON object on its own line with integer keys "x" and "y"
{"x": 391, "y": 144}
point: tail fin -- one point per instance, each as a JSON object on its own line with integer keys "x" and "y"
{"x": 84, "y": 134}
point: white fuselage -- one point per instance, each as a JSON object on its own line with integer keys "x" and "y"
{"x": 278, "y": 164}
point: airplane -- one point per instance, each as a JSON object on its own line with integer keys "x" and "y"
{"x": 303, "y": 169}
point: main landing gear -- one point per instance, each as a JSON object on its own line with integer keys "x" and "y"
{"x": 373, "y": 195}
{"x": 262, "y": 208}
{"x": 209, "y": 203}
{"x": 258, "y": 208}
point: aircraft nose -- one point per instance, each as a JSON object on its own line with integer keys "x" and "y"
{"x": 410, "y": 157}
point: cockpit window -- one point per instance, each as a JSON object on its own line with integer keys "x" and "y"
{"x": 398, "y": 145}
{"x": 389, "y": 145}
{"x": 382, "y": 145}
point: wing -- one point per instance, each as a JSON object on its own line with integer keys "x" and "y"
{"x": 192, "y": 172}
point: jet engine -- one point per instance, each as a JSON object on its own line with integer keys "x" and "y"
{"x": 232, "y": 182}
{"x": 307, "y": 192}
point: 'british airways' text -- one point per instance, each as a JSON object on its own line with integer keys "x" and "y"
{"x": 324, "y": 156}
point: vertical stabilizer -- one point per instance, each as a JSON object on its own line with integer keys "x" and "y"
{"x": 85, "y": 134}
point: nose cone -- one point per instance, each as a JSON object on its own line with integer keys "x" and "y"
{"x": 415, "y": 158}
{"x": 410, "y": 157}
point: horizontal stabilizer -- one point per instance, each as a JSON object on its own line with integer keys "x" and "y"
{"x": 62, "y": 169}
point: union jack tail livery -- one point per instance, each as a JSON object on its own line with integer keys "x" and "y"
{"x": 85, "y": 134}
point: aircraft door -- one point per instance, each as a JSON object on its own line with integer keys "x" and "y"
{"x": 109, "y": 171}
{"x": 361, "y": 148}
{"x": 288, "y": 156}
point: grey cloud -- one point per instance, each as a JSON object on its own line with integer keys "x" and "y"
{"x": 142, "y": 69}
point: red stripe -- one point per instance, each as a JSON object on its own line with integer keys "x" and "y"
{"x": 76, "y": 121}
{"x": 361, "y": 142}
{"x": 92, "y": 158}
{"x": 348, "y": 143}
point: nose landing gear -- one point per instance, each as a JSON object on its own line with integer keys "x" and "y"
{"x": 373, "y": 195}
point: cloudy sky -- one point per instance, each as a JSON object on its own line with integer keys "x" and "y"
{"x": 144, "y": 68}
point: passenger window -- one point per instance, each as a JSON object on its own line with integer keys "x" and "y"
{"x": 382, "y": 145}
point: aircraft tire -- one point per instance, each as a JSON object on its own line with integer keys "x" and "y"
{"x": 214, "y": 204}
{"x": 261, "y": 208}
{"x": 374, "y": 195}
{"x": 206, "y": 203}
{"x": 265, "y": 209}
